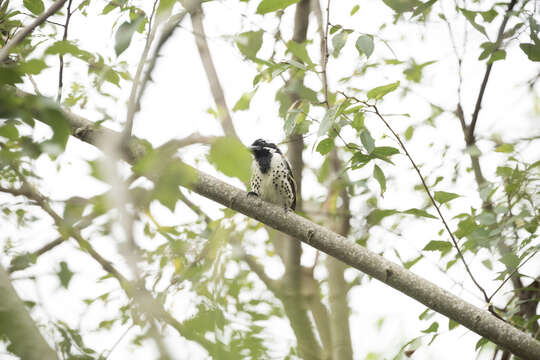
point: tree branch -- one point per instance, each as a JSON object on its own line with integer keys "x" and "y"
{"x": 134, "y": 291}
{"x": 469, "y": 136}
{"x": 405, "y": 281}
{"x": 211, "y": 73}
{"x": 19, "y": 37}
{"x": 132, "y": 105}
{"x": 61, "y": 56}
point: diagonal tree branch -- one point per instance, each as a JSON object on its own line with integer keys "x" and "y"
{"x": 132, "y": 105}
{"x": 24, "y": 32}
{"x": 134, "y": 291}
{"x": 211, "y": 73}
{"x": 405, "y": 281}
{"x": 469, "y": 136}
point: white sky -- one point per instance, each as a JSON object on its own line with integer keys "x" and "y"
{"x": 175, "y": 106}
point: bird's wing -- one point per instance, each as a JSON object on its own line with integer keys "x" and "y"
{"x": 292, "y": 182}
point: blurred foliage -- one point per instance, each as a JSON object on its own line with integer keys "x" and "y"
{"x": 204, "y": 259}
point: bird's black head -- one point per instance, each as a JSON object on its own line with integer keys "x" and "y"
{"x": 261, "y": 147}
{"x": 263, "y": 151}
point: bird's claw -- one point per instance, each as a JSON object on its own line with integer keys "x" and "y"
{"x": 251, "y": 193}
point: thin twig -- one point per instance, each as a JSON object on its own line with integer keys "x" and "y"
{"x": 61, "y": 56}
{"x": 132, "y": 107}
{"x": 142, "y": 296}
{"x": 428, "y": 191}
{"x": 470, "y": 134}
{"x": 324, "y": 57}
{"x": 24, "y": 32}
{"x": 47, "y": 21}
{"x": 109, "y": 352}
{"x": 512, "y": 274}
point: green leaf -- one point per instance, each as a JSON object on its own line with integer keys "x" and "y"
{"x": 497, "y": 55}
{"x": 410, "y": 263}
{"x": 419, "y": 212}
{"x": 466, "y": 227}
{"x": 33, "y": 66}
{"x": 423, "y": 7}
{"x": 338, "y": 42}
{"x": 325, "y": 146}
{"x": 409, "y": 132}
{"x": 511, "y": 260}
{"x": 299, "y": 51}
{"x": 231, "y": 157}
{"x": 124, "y": 34}
{"x": 244, "y": 101}
{"x": 296, "y": 119}
{"x": 36, "y": 7}
{"x": 384, "y": 151}
{"x": 172, "y": 174}
{"x": 380, "y": 91}
{"x": 328, "y": 120}
{"x": 359, "y": 160}
{"x": 432, "y": 328}
{"x": 505, "y": 148}
{"x": 379, "y": 176}
{"x": 358, "y": 121}
{"x": 452, "y": 324}
{"x": 375, "y": 216}
{"x": 335, "y": 28}
{"x": 367, "y": 141}
{"x": 164, "y": 8}
{"x": 355, "y": 9}
{"x": 444, "y": 197}
{"x": 414, "y": 71}
{"x": 267, "y": 6}
{"x": 364, "y": 45}
{"x": 483, "y": 341}
{"x": 64, "y": 47}
{"x": 9, "y": 131}
{"x": 64, "y": 274}
{"x": 249, "y": 43}
{"x": 10, "y": 75}
{"x": 73, "y": 210}
{"x": 531, "y": 50}
{"x": 401, "y": 6}
{"x": 471, "y": 16}
{"x": 438, "y": 245}
{"x": 489, "y": 15}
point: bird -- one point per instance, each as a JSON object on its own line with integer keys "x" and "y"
{"x": 271, "y": 175}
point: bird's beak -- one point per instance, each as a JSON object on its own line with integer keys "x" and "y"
{"x": 254, "y": 148}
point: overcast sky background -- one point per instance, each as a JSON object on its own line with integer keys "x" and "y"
{"x": 175, "y": 105}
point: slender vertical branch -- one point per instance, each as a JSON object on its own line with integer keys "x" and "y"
{"x": 61, "y": 56}
{"x": 211, "y": 73}
{"x": 24, "y": 32}
{"x": 469, "y": 137}
{"x": 341, "y": 345}
{"x": 132, "y": 103}
{"x": 324, "y": 55}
